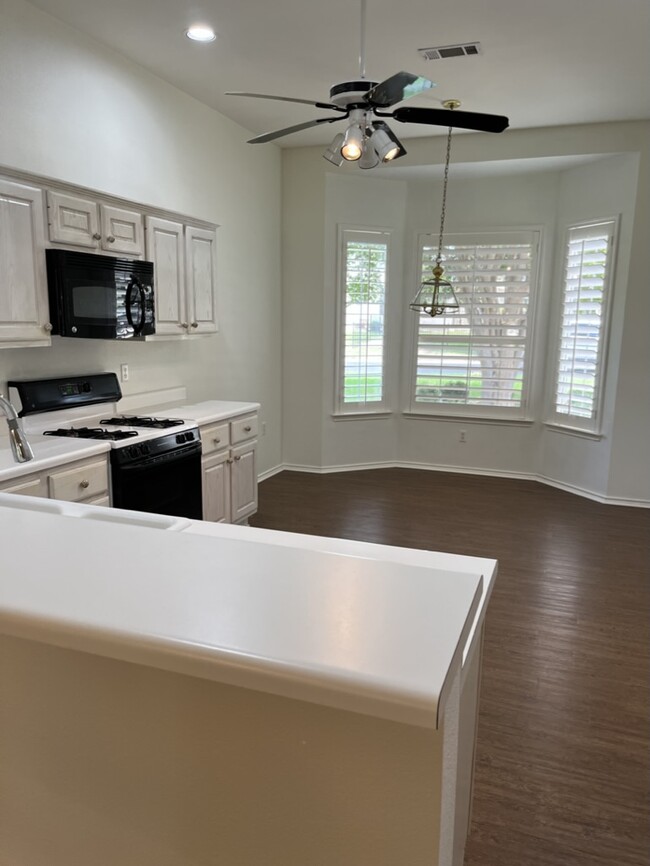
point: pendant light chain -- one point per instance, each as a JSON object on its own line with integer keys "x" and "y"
{"x": 444, "y": 198}
{"x": 436, "y": 296}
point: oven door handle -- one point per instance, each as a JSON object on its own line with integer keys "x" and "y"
{"x": 135, "y": 283}
{"x": 167, "y": 457}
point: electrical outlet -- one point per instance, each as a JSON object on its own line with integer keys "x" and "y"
{"x": 124, "y": 372}
{"x": 462, "y": 436}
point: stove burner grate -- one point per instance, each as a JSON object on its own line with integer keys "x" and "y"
{"x": 91, "y": 433}
{"x": 138, "y": 421}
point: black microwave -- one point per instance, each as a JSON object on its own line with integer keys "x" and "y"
{"x": 99, "y": 297}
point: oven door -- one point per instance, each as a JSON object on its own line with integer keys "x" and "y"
{"x": 165, "y": 484}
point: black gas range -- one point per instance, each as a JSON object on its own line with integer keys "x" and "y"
{"x": 155, "y": 462}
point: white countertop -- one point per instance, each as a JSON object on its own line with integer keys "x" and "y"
{"x": 210, "y": 411}
{"x": 52, "y": 451}
{"x": 48, "y": 452}
{"x": 358, "y": 627}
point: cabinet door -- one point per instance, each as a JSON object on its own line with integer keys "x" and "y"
{"x": 73, "y": 220}
{"x": 166, "y": 250}
{"x": 200, "y": 282}
{"x": 121, "y": 230}
{"x": 23, "y": 287}
{"x": 243, "y": 482}
{"x": 216, "y": 487}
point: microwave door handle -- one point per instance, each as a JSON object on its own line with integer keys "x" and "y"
{"x": 135, "y": 283}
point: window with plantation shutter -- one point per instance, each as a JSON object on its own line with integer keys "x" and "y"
{"x": 475, "y": 361}
{"x": 583, "y": 323}
{"x": 362, "y": 303}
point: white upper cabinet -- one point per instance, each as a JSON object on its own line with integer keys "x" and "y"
{"x": 166, "y": 249}
{"x": 24, "y": 318}
{"x": 184, "y": 259}
{"x": 35, "y": 217}
{"x": 201, "y": 262}
{"x": 83, "y": 222}
{"x": 121, "y": 230}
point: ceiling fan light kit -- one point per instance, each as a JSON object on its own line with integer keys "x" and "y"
{"x": 361, "y": 101}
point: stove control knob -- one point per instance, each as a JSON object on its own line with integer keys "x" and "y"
{"x": 145, "y": 449}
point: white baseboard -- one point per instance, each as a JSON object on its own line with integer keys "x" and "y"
{"x": 271, "y": 472}
{"x": 463, "y": 470}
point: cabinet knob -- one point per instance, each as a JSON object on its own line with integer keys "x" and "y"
{"x": 247, "y": 428}
{"x": 237, "y": 458}
{"x": 85, "y": 483}
{"x": 97, "y": 236}
{"x": 195, "y": 324}
{"x": 110, "y": 239}
{"x": 216, "y": 440}
{"x": 184, "y": 325}
{"x": 229, "y": 460}
{"x": 47, "y": 326}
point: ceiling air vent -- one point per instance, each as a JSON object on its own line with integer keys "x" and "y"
{"x": 442, "y": 52}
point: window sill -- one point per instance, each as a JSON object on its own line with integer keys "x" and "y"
{"x": 574, "y": 431}
{"x": 469, "y": 419}
{"x": 360, "y": 416}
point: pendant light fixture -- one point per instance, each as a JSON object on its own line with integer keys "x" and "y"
{"x": 436, "y": 296}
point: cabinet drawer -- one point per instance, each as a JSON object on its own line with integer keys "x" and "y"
{"x": 215, "y": 437}
{"x": 243, "y": 429}
{"x": 80, "y": 482}
{"x": 32, "y": 486}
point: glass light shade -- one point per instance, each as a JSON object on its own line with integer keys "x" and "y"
{"x": 369, "y": 158}
{"x": 386, "y": 143}
{"x": 436, "y": 296}
{"x": 352, "y": 146}
{"x": 333, "y": 152}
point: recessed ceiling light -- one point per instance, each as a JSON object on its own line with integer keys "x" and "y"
{"x": 201, "y": 33}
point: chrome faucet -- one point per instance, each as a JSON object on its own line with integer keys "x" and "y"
{"x": 20, "y": 447}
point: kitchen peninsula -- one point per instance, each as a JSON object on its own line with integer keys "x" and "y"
{"x": 212, "y": 693}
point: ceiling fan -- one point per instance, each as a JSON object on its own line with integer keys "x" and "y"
{"x": 368, "y": 139}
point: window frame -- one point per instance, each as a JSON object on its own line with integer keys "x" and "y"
{"x": 500, "y": 414}
{"x": 578, "y": 425}
{"x": 376, "y": 408}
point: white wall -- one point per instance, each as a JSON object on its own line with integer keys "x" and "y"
{"x": 603, "y": 189}
{"x": 618, "y": 467}
{"x": 354, "y": 201}
{"x": 75, "y": 111}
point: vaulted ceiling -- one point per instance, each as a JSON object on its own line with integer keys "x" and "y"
{"x": 544, "y": 63}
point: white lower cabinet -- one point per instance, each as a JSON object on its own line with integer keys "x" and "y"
{"x": 83, "y": 481}
{"x": 230, "y": 470}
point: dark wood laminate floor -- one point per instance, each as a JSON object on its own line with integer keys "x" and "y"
{"x": 563, "y": 765}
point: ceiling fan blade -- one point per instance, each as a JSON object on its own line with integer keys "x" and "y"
{"x": 289, "y": 99}
{"x": 402, "y": 85}
{"x": 269, "y": 136}
{"x": 456, "y": 119}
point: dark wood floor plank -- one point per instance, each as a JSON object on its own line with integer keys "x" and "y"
{"x": 563, "y": 763}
